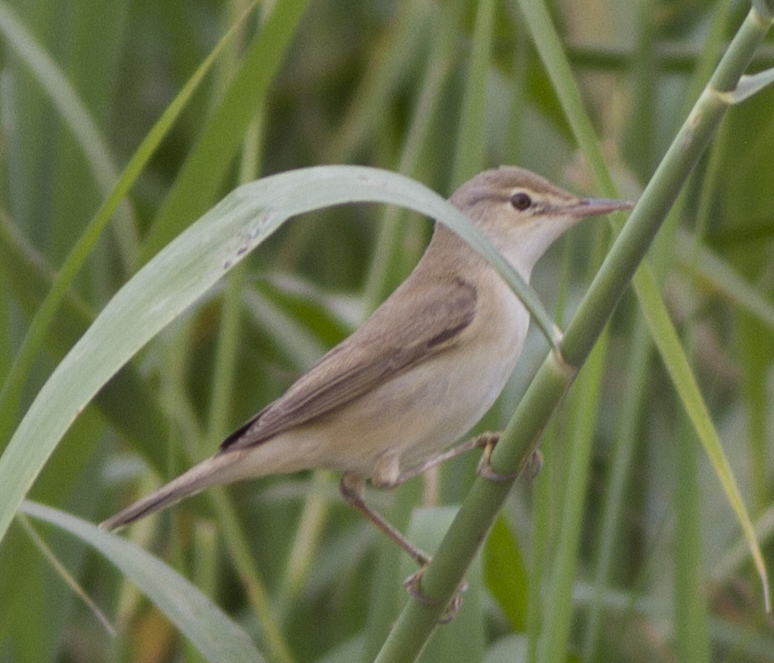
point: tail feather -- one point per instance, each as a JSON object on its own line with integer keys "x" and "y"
{"x": 222, "y": 468}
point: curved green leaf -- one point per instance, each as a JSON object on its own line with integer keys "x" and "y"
{"x": 127, "y": 402}
{"x": 217, "y": 637}
{"x": 185, "y": 270}
{"x": 57, "y": 291}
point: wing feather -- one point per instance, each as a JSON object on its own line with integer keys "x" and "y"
{"x": 421, "y": 324}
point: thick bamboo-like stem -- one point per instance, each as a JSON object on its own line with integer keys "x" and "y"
{"x": 477, "y": 514}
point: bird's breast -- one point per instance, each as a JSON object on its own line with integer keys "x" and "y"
{"x": 424, "y": 409}
{"x": 450, "y": 393}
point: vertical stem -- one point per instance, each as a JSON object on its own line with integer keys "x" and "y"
{"x": 478, "y": 512}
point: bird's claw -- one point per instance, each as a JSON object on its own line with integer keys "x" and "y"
{"x": 485, "y": 466}
{"x": 454, "y": 605}
{"x": 488, "y": 441}
{"x": 412, "y": 587}
{"x": 535, "y": 463}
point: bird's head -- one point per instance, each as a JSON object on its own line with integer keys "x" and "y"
{"x": 522, "y": 213}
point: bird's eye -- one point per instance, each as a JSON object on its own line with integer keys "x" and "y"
{"x": 521, "y": 201}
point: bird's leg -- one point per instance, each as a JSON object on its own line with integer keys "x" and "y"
{"x": 352, "y": 489}
{"x": 387, "y": 475}
{"x": 483, "y": 441}
{"x": 486, "y": 441}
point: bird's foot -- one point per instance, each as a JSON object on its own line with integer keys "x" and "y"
{"x": 412, "y": 587}
{"x": 488, "y": 441}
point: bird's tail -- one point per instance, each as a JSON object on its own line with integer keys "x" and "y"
{"x": 221, "y": 468}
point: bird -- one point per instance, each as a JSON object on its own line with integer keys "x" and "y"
{"x": 418, "y": 374}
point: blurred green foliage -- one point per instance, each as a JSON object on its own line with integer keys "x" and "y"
{"x": 384, "y": 84}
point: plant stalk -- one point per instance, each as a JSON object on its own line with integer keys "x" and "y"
{"x": 481, "y": 507}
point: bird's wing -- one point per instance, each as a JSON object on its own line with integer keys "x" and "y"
{"x": 421, "y": 324}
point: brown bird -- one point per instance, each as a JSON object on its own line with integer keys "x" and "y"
{"x": 419, "y": 373}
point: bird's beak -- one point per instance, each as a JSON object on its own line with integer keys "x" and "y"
{"x": 593, "y": 206}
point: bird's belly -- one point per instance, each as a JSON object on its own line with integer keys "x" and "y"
{"x": 453, "y": 406}
{"x": 421, "y": 412}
